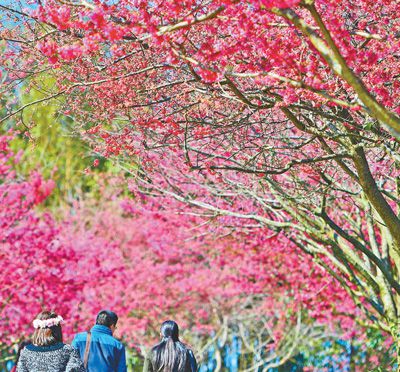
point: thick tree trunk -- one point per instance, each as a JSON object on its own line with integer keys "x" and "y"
{"x": 375, "y": 197}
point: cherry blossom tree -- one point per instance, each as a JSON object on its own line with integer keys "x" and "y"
{"x": 282, "y": 113}
{"x": 45, "y": 264}
{"x": 217, "y": 285}
{"x": 146, "y": 262}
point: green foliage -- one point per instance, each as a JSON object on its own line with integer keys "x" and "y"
{"x": 51, "y": 145}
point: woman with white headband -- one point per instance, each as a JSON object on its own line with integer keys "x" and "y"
{"x": 47, "y": 352}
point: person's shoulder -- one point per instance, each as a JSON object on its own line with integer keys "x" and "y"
{"x": 188, "y": 348}
{"x": 149, "y": 354}
{"x": 24, "y": 351}
{"x": 80, "y": 336}
{"x": 190, "y": 352}
{"x": 118, "y": 344}
{"x": 109, "y": 340}
{"x": 155, "y": 348}
{"x": 69, "y": 349}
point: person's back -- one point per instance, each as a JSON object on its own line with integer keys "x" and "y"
{"x": 55, "y": 358}
{"x": 105, "y": 353}
{"x": 170, "y": 355}
{"x": 189, "y": 365}
{"x": 47, "y": 352}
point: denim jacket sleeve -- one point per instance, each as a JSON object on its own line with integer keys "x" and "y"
{"x": 74, "y": 344}
{"x": 122, "y": 361}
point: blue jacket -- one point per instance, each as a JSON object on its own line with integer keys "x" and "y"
{"x": 106, "y": 353}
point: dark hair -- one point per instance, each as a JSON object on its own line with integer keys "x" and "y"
{"x": 106, "y": 318}
{"x": 170, "y": 355}
{"x": 21, "y": 345}
{"x": 49, "y": 335}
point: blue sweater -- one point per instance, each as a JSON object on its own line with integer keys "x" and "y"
{"x": 106, "y": 353}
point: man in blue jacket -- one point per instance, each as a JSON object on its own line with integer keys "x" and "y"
{"x": 98, "y": 349}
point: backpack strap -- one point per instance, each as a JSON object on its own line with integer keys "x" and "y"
{"x": 87, "y": 349}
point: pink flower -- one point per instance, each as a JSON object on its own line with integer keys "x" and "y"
{"x": 49, "y": 49}
{"x": 70, "y": 52}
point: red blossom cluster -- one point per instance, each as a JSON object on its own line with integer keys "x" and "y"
{"x": 275, "y": 113}
{"x": 178, "y": 265}
{"x": 149, "y": 260}
{"x": 266, "y": 43}
{"x": 45, "y": 264}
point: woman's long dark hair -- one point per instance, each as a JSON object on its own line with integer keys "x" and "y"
{"x": 170, "y": 355}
